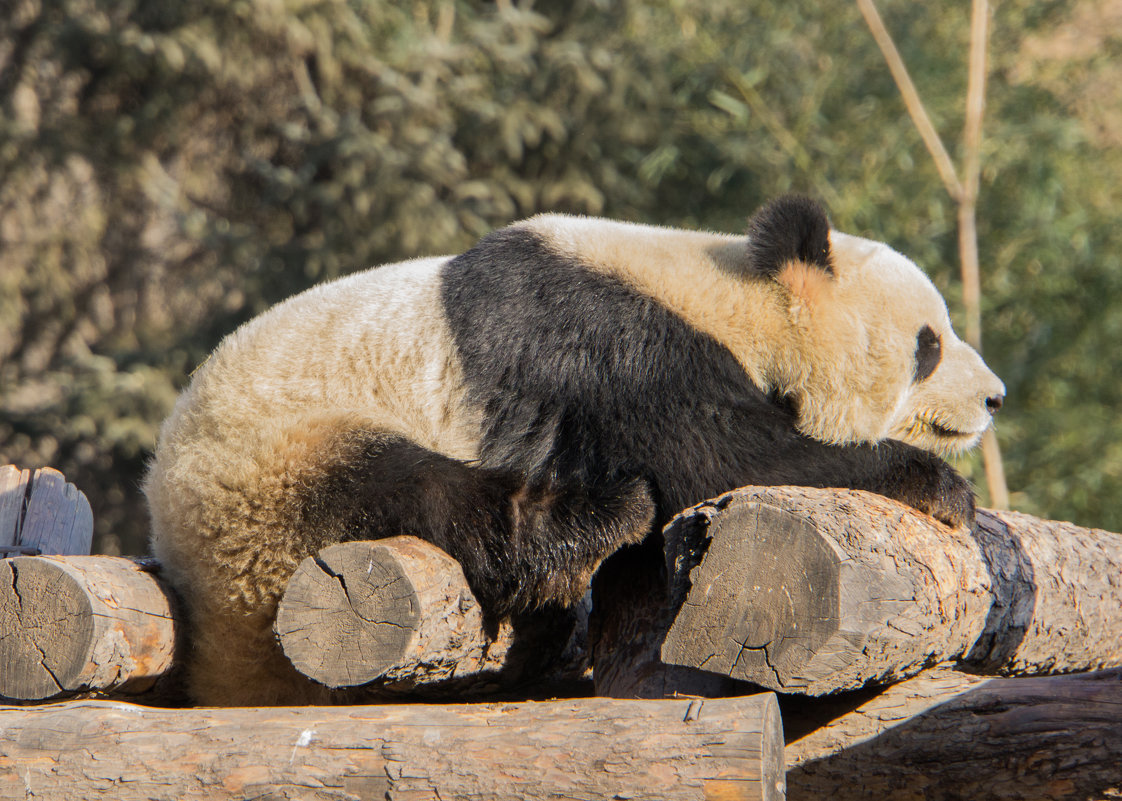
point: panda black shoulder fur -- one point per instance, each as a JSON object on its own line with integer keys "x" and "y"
{"x": 534, "y": 404}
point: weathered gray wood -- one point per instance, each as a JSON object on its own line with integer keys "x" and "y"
{"x": 581, "y": 749}
{"x": 41, "y": 513}
{"x": 397, "y": 609}
{"x": 13, "y": 497}
{"x": 765, "y": 571}
{"x": 949, "y": 736}
{"x": 815, "y": 591}
{"x": 74, "y": 623}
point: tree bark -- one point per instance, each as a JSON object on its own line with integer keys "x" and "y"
{"x": 590, "y": 748}
{"x": 74, "y": 623}
{"x": 816, "y": 591}
{"x": 950, "y": 736}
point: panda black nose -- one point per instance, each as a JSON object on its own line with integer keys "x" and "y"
{"x": 994, "y": 402}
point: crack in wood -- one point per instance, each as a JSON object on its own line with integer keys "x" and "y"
{"x": 30, "y": 637}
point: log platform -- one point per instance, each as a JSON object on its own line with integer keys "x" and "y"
{"x": 586, "y": 748}
{"x": 841, "y": 600}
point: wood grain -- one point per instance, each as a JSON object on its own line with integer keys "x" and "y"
{"x": 75, "y": 623}
{"x": 582, "y": 749}
{"x": 948, "y": 736}
{"x": 41, "y": 513}
{"x": 815, "y": 591}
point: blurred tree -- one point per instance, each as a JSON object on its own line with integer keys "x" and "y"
{"x": 168, "y": 169}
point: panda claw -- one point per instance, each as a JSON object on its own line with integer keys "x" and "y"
{"x": 953, "y": 503}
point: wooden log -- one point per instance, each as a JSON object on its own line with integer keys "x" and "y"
{"x": 815, "y": 591}
{"x": 42, "y": 514}
{"x": 75, "y": 623}
{"x": 397, "y": 609}
{"x": 587, "y": 748}
{"x": 629, "y": 619}
{"x": 394, "y": 617}
{"x": 947, "y": 736}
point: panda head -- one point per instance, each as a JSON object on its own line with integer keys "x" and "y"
{"x": 868, "y": 350}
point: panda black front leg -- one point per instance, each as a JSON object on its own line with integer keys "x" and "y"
{"x": 926, "y": 482}
{"x": 521, "y": 545}
{"x": 559, "y": 535}
{"x": 891, "y": 468}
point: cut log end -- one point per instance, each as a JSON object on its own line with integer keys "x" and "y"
{"x": 762, "y": 602}
{"x": 358, "y": 610}
{"x": 39, "y": 608}
{"x": 75, "y": 623}
{"x": 358, "y": 594}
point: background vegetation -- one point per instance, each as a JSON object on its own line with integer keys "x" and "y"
{"x": 168, "y": 169}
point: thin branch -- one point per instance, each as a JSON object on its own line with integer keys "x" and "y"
{"x": 911, "y": 99}
{"x": 972, "y": 165}
{"x": 965, "y": 194}
{"x": 967, "y": 229}
{"x": 975, "y": 97}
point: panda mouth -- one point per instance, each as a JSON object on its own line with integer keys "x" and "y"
{"x": 942, "y": 431}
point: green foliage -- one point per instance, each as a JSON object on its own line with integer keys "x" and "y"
{"x": 168, "y": 169}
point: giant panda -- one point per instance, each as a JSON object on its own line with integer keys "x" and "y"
{"x": 553, "y": 394}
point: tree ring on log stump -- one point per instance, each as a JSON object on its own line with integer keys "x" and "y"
{"x": 363, "y": 599}
{"x": 40, "y": 606}
{"x": 767, "y": 590}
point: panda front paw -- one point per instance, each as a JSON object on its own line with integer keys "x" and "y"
{"x": 949, "y": 497}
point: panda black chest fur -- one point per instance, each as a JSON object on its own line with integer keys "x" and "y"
{"x": 587, "y": 381}
{"x": 555, "y": 393}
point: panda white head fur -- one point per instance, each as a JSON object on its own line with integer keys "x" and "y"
{"x": 938, "y": 393}
{"x": 872, "y": 354}
{"x": 851, "y": 331}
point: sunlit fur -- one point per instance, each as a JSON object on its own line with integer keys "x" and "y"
{"x": 264, "y": 418}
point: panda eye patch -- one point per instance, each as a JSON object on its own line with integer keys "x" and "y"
{"x": 929, "y": 351}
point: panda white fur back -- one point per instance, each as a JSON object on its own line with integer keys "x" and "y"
{"x": 540, "y": 401}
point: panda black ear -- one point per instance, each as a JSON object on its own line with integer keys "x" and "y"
{"x": 789, "y": 228}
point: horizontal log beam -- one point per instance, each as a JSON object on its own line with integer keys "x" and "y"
{"x": 75, "y": 623}
{"x": 816, "y": 591}
{"x": 946, "y": 735}
{"x": 587, "y": 748}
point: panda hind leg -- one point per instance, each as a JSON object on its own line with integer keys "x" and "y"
{"x": 521, "y": 545}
